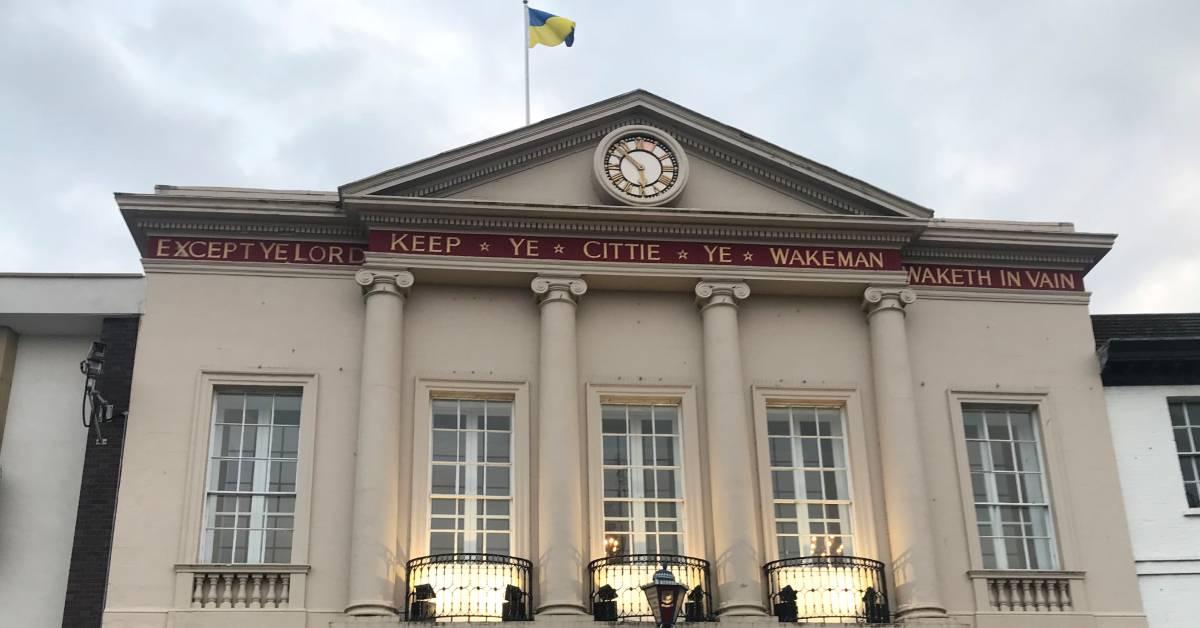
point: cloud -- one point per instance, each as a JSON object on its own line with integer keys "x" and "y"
{"x": 1073, "y": 111}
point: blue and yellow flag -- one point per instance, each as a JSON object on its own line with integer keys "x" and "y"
{"x": 549, "y": 30}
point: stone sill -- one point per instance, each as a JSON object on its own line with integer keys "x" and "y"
{"x": 1015, "y": 574}
{"x": 240, "y": 568}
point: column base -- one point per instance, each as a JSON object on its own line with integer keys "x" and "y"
{"x": 738, "y": 612}
{"x": 931, "y": 615}
{"x": 564, "y": 610}
{"x": 371, "y": 609}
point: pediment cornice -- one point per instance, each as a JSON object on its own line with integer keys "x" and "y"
{"x": 704, "y": 137}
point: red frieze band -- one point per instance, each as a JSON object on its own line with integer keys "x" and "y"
{"x": 940, "y": 275}
{"x": 239, "y": 250}
{"x": 555, "y": 248}
{"x": 574, "y": 249}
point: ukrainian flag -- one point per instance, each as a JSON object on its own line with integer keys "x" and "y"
{"x": 549, "y": 30}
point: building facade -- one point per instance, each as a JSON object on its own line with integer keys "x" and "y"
{"x": 1151, "y": 372}
{"x": 512, "y": 380}
{"x": 58, "y": 478}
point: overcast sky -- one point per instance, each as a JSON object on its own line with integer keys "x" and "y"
{"x": 1086, "y": 111}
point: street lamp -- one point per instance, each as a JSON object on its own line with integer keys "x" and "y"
{"x": 664, "y": 593}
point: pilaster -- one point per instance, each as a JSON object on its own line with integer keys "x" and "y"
{"x": 375, "y": 554}
{"x": 910, "y": 524}
{"x": 562, "y": 550}
{"x": 737, "y": 568}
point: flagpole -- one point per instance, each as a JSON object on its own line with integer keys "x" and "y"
{"x": 525, "y": 45}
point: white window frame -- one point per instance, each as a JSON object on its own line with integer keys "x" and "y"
{"x": 209, "y": 383}
{"x": 865, "y": 530}
{"x": 1193, "y": 455}
{"x": 692, "y": 519}
{"x": 1052, "y": 459}
{"x": 425, "y": 391}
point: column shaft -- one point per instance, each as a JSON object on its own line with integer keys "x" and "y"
{"x": 910, "y": 529}
{"x": 733, "y": 478}
{"x": 374, "y": 533}
{"x": 562, "y": 551}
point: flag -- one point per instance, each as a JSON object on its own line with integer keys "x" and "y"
{"x": 550, "y": 30}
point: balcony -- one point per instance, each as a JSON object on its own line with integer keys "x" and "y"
{"x": 469, "y": 588}
{"x": 828, "y": 589}
{"x": 616, "y": 586}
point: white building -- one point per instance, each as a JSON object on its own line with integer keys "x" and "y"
{"x": 1151, "y": 373}
{"x": 47, "y": 326}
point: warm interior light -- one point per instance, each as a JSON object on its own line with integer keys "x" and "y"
{"x": 833, "y": 593}
{"x": 478, "y": 591}
{"x": 627, "y": 580}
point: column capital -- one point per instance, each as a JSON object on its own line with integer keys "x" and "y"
{"x": 375, "y": 281}
{"x": 558, "y": 288}
{"x": 710, "y": 293}
{"x": 878, "y": 299}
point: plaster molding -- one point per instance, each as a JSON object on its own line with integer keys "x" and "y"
{"x": 1001, "y": 295}
{"x": 877, "y": 299}
{"x": 619, "y": 227}
{"x": 710, "y": 293}
{"x": 376, "y": 281}
{"x": 249, "y": 269}
{"x": 558, "y": 287}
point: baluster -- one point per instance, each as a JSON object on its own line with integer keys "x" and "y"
{"x": 226, "y": 591}
{"x": 1068, "y": 603}
{"x": 1054, "y": 595}
{"x": 1026, "y": 594}
{"x": 1005, "y": 594}
{"x": 210, "y": 600}
{"x": 285, "y": 585}
{"x": 197, "y": 590}
{"x": 269, "y": 600}
{"x": 1041, "y": 600}
{"x": 256, "y": 600}
{"x": 993, "y": 592}
{"x": 239, "y": 592}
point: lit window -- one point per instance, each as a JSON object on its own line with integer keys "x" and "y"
{"x": 471, "y": 477}
{"x": 809, "y": 486}
{"x": 643, "y": 494}
{"x": 1185, "y": 421}
{"x": 250, "y": 502}
{"x": 1008, "y": 482}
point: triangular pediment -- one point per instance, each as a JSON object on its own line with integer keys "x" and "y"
{"x": 551, "y": 162}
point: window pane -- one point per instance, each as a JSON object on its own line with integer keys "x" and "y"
{"x": 470, "y": 415}
{"x": 258, "y": 408}
{"x": 781, "y": 451}
{"x": 497, "y": 481}
{"x": 1176, "y": 410}
{"x": 287, "y": 409}
{"x": 997, "y": 426}
{"x": 973, "y": 423}
{"x": 445, "y": 414}
{"x": 664, "y": 451}
{"x": 499, "y": 415}
{"x": 783, "y": 485}
{"x": 616, "y": 451}
{"x": 616, "y": 483}
{"x": 285, "y": 442}
{"x": 445, "y": 447}
{"x": 444, "y": 480}
{"x": 778, "y": 422}
{"x": 497, "y": 447}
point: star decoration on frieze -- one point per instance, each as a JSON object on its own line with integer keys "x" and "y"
{"x": 484, "y": 246}
{"x": 681, "y": 255}
{"x": 748, "y": 256}
{"x": 558, "y": 249}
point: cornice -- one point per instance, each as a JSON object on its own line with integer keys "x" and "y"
{"x": 393, "y": 212}
{"x": 994, "y": 256}
{"x": 254, "y": 269}
{"x": 243, "y": 227}
{"x": 999, "y": 295}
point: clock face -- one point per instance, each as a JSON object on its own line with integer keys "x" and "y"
{"x": 640, "y": 165}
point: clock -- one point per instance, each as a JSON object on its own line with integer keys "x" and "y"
{"x": 640, "y": 165}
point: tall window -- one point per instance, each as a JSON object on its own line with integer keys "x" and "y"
{"x": 1185, "y": 420}
{"x": 642, "y": 468}
{"x": 250, "y": 502}
{"x": 471, "y": 478}
{"x": 1009, "y": 486}
{"x": 809, "y": 484}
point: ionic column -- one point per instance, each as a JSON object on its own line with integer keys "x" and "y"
{"x": 732, "y": 471}
{"x": 562, "y": 550}
{"x": 374, "y": 538}
{"x": 910, "y": 525}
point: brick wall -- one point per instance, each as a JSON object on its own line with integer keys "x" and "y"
{"x": 88, "y": 578}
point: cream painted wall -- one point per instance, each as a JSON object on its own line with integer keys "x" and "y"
{"x": 569, "y": 179}
{"x": 1166, "y": 533}
{"x": 40, "y": 462}
{"x": 314, "y": 324}
{"x": 1025, "y": 347}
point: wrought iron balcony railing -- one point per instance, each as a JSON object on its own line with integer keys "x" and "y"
{"x": 829, "y": 589}
{"x": 469, "y": 587}
{"x": 616, "y": 586}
